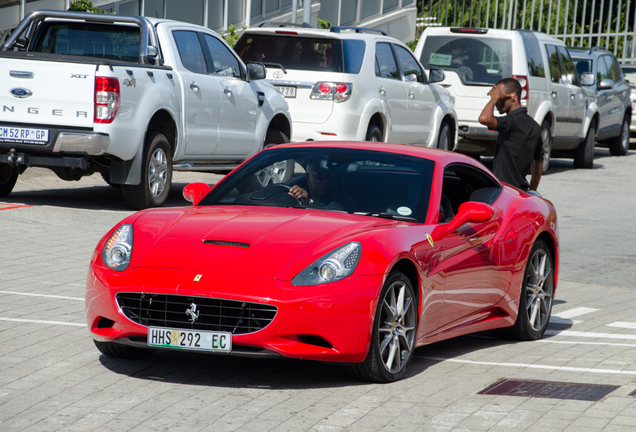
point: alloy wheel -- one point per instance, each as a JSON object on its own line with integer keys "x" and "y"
{"x": 539, "y": 289}
{"x": 158, "y": 172}
{"x": 396, "y": 327}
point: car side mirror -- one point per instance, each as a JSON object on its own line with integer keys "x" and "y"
{"x": 605, "y": 84}
{"x": 471, "y": 212}
{"x": 256, "y": 71}
{"x": 194, "y": 192}
{"x": 436, "y": 75}
{"x": 587, "y": 79}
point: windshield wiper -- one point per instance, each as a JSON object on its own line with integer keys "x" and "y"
{"x": 385, "y": 215}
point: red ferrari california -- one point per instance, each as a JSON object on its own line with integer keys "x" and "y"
{"x": 344, "y": 252}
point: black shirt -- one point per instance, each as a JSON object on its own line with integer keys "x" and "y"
{"x": 518, "y": 144}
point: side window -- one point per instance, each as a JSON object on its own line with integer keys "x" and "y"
{"x": 533, "y": 53}
{"x": 612, "y": 68}
{"x": 223, "y": 62}
{"x": 553, "y": 61}
{"x": 385, "y": 66}
{"x": 410, "y": 69}
{"x": 464, "y": 183}
{"x": 601, "y": 70}
{"x": 190, "y": 51}
{"x": 569, "y": 71}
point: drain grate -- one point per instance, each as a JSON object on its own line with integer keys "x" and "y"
{"x": 549, "y": 389}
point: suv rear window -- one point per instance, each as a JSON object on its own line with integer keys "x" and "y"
{"x": 302, "y": 53}
{"x": 476, "y": 60}
{"x": 116, "y": 42}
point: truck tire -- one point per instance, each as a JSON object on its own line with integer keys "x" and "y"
{"x": 620, "y": 145}
{"x": 444, "y": 140}
{"x": 8, "y": 177}
{"x": 374, "y": 134}
{"x": 546, "y": 140}
{"x": 156, "y": 175}
{"x": 584, "y": 153}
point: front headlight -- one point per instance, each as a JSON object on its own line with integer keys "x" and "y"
{"x": 334, "y": 266}
{"x": 118, "y": 250}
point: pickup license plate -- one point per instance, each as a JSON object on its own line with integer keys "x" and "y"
{"x": 288, "y": 92}
{"x": 189, "y": 339}
{"x": 24, "y": 135}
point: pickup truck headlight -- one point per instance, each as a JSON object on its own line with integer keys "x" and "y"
{"x": 118, "y": 250}
{"x": 334, "y": 266}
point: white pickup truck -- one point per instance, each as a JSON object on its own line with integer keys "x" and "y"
{"x": 131, "y": 98}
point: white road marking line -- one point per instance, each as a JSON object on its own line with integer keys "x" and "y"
{"x": 559, "y": 320}
{"x": 626, "y": 325}
{"x": 41, "y": 295}
{"x": 589, "y": 334}
{"x": 533, "y": 366}
{"x": 586, "y": 343}
{"x": 571, "y": 313}
{"x": 42, "y": 322}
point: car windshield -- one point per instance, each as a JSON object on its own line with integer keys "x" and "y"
{"x": 302, "y": 53}
{"x": 477, "y": 61}
{"x": 357, "y": 181}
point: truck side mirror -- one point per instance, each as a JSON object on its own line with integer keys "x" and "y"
{"x": 587, "y": 79}
{"x": 256, "y": 71}
{"x": 436, "y": 75}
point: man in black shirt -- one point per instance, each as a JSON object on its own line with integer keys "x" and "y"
{"x": 519, "y": 149}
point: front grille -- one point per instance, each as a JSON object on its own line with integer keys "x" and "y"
{"x": 163, "y": 310}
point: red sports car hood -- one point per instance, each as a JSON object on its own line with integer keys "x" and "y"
{"x": 267, "y": 242}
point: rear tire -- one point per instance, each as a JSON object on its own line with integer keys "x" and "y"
{"x": 8, "y": 178}
{"x": 394, "y": 329}
{"x": 156, "y": 175}
{"x": 114, "y": 350}
{"x": 374, "y": 134}
{"x": 444, "y": 141}
{"x": 546, "y": 140}
{"x": 620, "y": 145}
{"x": 584, "y": 153}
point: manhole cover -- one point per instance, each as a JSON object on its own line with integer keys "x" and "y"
{"x": 549, "y": 389}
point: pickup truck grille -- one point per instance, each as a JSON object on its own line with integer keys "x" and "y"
{"x": 213, "y": 314}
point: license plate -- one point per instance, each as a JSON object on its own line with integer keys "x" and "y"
{"x": 189, "y": 339}
{"x": 288, "y": 92}
{"x": 24, "y": 135}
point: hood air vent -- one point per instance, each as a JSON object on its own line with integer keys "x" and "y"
{"x": 226, "y": 243}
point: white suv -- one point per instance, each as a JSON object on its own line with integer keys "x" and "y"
{"x": 352, "y": 84}
{"x": 476, "y": 59}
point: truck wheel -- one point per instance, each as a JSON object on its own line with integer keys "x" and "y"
{"x": 444, "y": 140}
{"x": 277, "y": 173}
{"x": 546, "y": 140}
{"x": 273, "y": 137}
{"x": 374, "y": 134}
{"x": 156, "y": 175}
{"x": 584, "y": 153}
{"x": 620, "y": 145}
{"x": 8, "y": 177}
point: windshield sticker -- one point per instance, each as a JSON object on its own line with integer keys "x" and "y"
{"x": 438, "y": 59}
{"x": 404, "y": 211}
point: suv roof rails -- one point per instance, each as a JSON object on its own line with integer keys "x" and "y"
{"x": 283, "y": 24}
{"x": 357, "y": 29}
{"x": 589, "y": 50}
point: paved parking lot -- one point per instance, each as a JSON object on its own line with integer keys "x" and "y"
{"x": 53, "y": 378}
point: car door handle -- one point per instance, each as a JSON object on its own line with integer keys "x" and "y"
{"x": 194, "y": 86}
{"x": 572, "y": 95}
{"x": 382, "y": 91}
{"x": 411, "y": 94}
{"x": 554, "y": 93}
{"x": 227, "y": 91}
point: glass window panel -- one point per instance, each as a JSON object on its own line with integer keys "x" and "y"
{"x": 215, "y": 14}
{"x": 286, "y": 3}
{"x": 385, "y": 62}
{"x": 348, "y": 11}
{"x": 192, "y": 14}
{"x": 533, "y": 51}
{"x": 190, "y": 51}
{"x": 569, "y": 71}
{"x": 271, "y": 5}
{"x": 407, "y": 2}
{"x": 553, "y": 61}
{"x": 390, "y": 4}
{"x": 329, "y": 11}
{"x": 235, "y": 12}
{"x": 225, "y": 64}
{"x": 409, "y": 64}
{"x": 153, "y": 8}
{"x": 369, "y": 8}
{"x": 257, "y": 8}
{"x": 129, "y": 8}
{"x": 612, "y": 68}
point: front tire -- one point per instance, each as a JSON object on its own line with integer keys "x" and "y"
{"x": 584, "y": 153}
{"x": 394, "y": 329}
{"x": 620, "y": 145}
{"x": 119, "y": 351}
{"x": 444, "y": 140}
{"x": 546, "y": 141}
{"x": 8, "y": 178}
{"x": 537, "y": 295}
{"x": 156, "y": 175}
